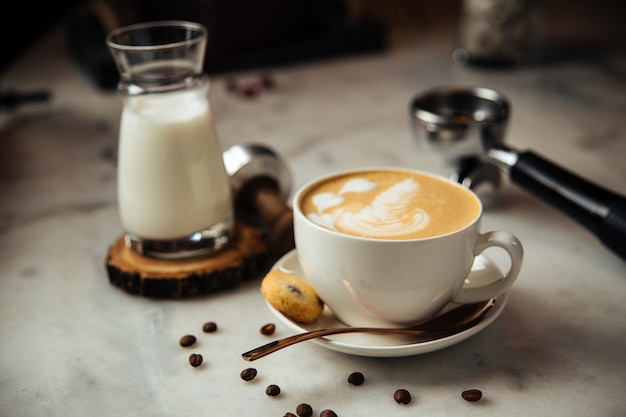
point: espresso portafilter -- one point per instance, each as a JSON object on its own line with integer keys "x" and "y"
{"x": 466, "y": 125}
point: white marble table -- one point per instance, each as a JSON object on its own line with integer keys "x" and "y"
{"x": 71, "y": 344}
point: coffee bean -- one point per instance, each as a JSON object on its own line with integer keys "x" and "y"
{"x": 268, "y": 329}
{"x": 472, "y": 394}
{"x": 272, "y": 390}
{"x": 402, "y": 396}
{"x": 248, "y": 374}
{"x": 289, "y": 415}
{"x": 195, "y": 359}
{"x": 304, "y": 410}
{"x": 356, "y": 378}
{"x": 187, "y": 340}
{"x": 249, "y": 90}
{"x": 209, "y": 327}
{"x": 328, "y": 413}
{"x": 267, "y": 80}
{"x": 231, "y": 84}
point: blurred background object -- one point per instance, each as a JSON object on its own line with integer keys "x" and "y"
{"x": 502, "y": 33}
{"x": 243, "y": 34}
{"x": 26, "y": 23}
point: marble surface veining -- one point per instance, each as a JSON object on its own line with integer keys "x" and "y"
{"x": 73, "y": 345}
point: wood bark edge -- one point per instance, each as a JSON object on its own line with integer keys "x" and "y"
{"x": 245, "y": 259}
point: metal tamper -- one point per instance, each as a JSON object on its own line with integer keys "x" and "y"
{"x": 261, "y": 184}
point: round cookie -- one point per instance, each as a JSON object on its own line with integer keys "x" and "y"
{"x": 292, "y": 296}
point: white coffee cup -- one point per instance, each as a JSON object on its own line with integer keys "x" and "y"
{"x": 391, "y": 247}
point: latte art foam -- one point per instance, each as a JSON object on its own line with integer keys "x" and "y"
{"x": 389, "y": 204}
{"x": 386, "y": 215}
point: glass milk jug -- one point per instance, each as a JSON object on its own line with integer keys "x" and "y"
{"x": 174, "y": 194}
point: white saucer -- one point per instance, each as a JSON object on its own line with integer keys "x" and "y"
{"x": 372, "y": 345}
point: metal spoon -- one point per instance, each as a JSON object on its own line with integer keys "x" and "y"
{"x": 447, "y": 324}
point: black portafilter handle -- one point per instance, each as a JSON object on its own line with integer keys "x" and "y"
{"x": 601, "y": 211}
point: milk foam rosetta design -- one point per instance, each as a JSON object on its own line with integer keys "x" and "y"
{"x": 389, "y": 211}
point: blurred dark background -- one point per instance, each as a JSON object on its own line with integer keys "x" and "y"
{"x": 245, "y": 34}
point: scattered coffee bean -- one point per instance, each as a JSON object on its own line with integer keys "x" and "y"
{"x": 187, "y": 340}
{"x": 290, "y": 415}
{"x": 304, "y": 410}
{"x": 272, "y": 390}
{"x": 248, "y": 374}
{"x": 472, "y": 394}
{"x": 249, "y": 90}
{"x": 195, "y": 359}
{"x": 250, "y": 87}
{"x": 267, "y": 80}
{"x": 402, "y": 396}
{"x": 328, "y": 413}
{"x": 356, "y": 378}
{"x": 268, "y": 329}
{"x": 209, "y": 327}
{"x": 231, "y": 84}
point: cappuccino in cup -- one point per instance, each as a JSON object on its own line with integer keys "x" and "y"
{"x": 386, "y": 247}
{"x": 390, "y": 204}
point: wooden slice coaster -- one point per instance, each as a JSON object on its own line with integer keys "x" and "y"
{"x": 246, "y": 258}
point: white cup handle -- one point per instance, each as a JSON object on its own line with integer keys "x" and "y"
{"x": 513, "y": 247}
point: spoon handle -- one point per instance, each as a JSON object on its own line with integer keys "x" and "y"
{"x": 451, "y": 322}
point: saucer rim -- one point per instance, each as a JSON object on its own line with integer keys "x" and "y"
{"x": 371, "y": 350}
